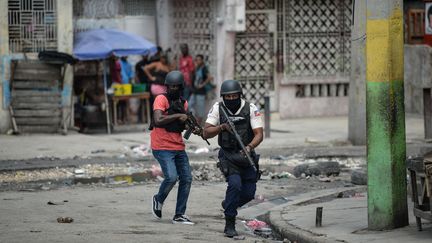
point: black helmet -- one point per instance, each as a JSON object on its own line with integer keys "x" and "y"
{"x": 230, "y": 87}
{"x": 174, "y": 78}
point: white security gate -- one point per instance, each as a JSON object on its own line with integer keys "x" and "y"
{"x": 307, "y": 41}
{"x": 254, "y": 51}
{"x": 314, "y": 38}
{"x": 193, "y": 24}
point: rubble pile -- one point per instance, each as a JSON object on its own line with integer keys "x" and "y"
{"x": 208, "y": 172}
{"x": 274, "y": 168}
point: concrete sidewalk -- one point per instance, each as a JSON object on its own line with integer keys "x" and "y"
{"x": 331, "y": 132}
{"x": 344, "y": 220}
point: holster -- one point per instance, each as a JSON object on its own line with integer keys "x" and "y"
{"x": 227, "y": 167}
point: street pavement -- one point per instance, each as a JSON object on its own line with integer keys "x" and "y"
{"x": 330, "y": 132}
{"x": 121, "y": 214}
{"x": 343, "y": 220}
{"x": 114, "y": 214}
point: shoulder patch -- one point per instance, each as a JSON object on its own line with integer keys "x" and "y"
{"x": 257, "y": 112}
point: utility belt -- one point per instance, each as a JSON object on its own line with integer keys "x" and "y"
{"x": 234, "y": 162}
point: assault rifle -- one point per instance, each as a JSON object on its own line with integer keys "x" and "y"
{"x": 237, "y": 136}
{"x": 194, "y": 127}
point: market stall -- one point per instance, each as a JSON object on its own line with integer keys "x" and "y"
{"x": 101, "y": 44}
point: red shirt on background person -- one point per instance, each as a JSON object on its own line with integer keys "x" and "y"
{"x": 115, "y": 70}
{"x": 187, "y": 68}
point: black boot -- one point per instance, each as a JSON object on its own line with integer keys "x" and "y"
{"x": 230, "y": 230}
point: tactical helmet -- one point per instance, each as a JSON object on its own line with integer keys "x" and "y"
{"x": 230, "y": 87}
{"x": 174, "y": 78}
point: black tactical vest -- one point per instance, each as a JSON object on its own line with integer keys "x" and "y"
{"x": 226, "y": 140}
{"x": 175, "y": 107}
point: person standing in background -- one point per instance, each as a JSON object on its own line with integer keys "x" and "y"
{"x": 127, "y": 73}
{"x": 156, "y": 73}
{"x": 115, "y": 70}
{"x": 186, "y": 67}
{"x": 141, "y": 77}
{"x": 202, "y": 84}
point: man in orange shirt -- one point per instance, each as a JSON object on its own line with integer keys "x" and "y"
{"x": 169, "y": 149}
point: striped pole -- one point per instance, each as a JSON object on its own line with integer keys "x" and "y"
{"x": 385, "y": 115}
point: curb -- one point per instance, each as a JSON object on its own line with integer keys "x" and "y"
{"x": 295, "y": 233}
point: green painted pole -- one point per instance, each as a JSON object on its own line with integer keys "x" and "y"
{"x": 385, "y": 115}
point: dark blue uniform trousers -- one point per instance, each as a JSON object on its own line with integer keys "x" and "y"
{"x": 241, "y": 189}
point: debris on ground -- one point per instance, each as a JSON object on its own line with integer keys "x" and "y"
{"x": 98, "y": 151}
{"x": 258, "y": 227}
{"x": 325, "y": 179}
{"x": 57, "y": 203}
{"x": 78, "y": 171}
{"x": 279, "y": 157}
{"x": 204, "y": 170}
{"x": 311, "y": 140}
{"x": 141, "y": 151}
{"x": 156, "y": 171}
{"x": 359, "y": 177}
{"x": 207, "y": 172}
{"x": 239, "y": 237}
{"x": 259, "y": 198}
{"x": 135, "y": 151}
{"x": 201, "y": 150}
{"x": 326, "y": 168}
{"x": 65, "y": 220}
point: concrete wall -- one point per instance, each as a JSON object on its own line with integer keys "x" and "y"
{"x": 418, "y": 75}
{"x": 357, "y": 89}
{"x": 293, "y": 107}
{"x": 4, "y": 66}
{"x": 163, "y": 20}
{"x": 65, "y": 44}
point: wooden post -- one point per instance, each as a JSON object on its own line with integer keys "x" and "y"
{"x": 318, "y": 217}
{"x": 427, "y": 111}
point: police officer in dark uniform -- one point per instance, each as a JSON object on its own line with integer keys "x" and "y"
{"x": 239, "y": 173}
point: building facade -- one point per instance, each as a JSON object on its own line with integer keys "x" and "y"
{"x": 27, "y": 27}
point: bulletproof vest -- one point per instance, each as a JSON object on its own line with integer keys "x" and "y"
{"x": 175, "y": 107}
{"x": 241, "y": 121}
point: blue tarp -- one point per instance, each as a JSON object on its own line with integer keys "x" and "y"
{"x": 102, "y": 43}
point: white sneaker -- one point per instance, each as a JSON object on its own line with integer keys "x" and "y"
{"x": 182, "y": 219}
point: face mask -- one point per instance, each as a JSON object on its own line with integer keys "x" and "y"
{"x": 233, "y": 105}
{"x": 174, "y": 94}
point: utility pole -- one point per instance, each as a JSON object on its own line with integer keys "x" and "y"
{"x": 385, "y": 115}
{"x": 357, "y": 86}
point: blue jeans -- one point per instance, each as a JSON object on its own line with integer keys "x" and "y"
{"x": 174, "y": 164}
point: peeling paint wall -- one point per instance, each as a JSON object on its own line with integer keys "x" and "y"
{"x": 418, "y": 75}
{"x": 65, "y": 44}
